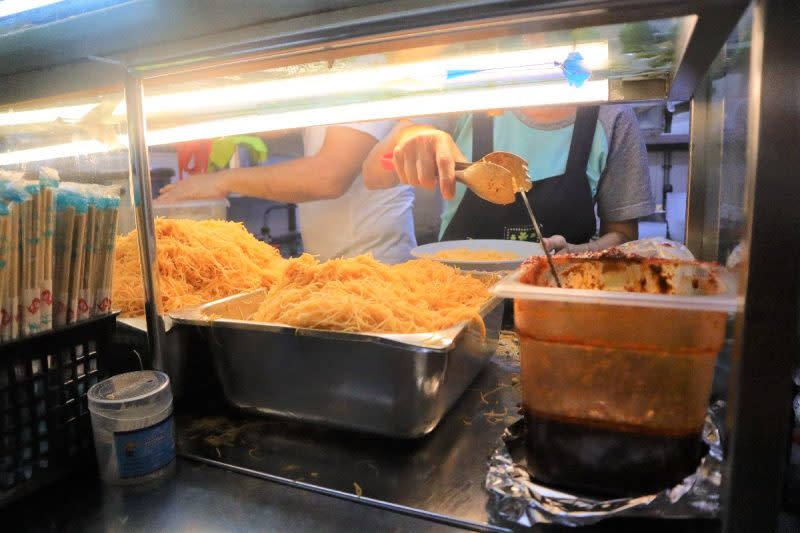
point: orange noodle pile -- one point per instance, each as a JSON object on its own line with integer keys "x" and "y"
{"x": 198, "y": 261}
{"x": 465, "y": 254}
{"x": 364, "y": 295}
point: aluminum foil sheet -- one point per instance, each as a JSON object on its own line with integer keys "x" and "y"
{"x": 516, "y": 498}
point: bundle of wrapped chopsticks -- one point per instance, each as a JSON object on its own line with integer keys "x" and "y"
{"x": 56, "y": 251}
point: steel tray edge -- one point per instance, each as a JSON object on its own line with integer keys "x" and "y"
{"x": 441, "y": 340}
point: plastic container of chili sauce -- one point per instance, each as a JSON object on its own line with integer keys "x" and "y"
{"x": 617, "y": 367}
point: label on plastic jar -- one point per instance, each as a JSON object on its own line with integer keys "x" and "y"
{"x": 143, "y": 451}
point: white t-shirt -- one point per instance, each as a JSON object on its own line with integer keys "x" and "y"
{"x": 361, "y": 220}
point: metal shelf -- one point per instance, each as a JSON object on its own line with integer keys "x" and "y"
{"x": 667, "y": 141}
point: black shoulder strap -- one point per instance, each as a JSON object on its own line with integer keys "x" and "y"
{"x": 482, "y": 135}
{"x": 582, "y": 138}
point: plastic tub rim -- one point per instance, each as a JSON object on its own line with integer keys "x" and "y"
{"x": 511, "y": 287}
{"x": 94, "y": 401}
{"x": 104, "y": 413}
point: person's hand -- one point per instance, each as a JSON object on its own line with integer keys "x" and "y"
{"x": 557, "y": 244}
{"x": 420, "y": 152}
{"x": 195, "y": 187}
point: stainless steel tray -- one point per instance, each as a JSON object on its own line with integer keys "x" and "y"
{"x": 388, "y": 384}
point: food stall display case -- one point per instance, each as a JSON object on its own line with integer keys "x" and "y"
{"x": 73, "y": 94}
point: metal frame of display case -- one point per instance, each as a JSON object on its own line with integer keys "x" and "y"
{"x": 767, "y": 326}
{"x": 766, "y": 346}
{"x": 141, "y": 195}
{"x": 702, "y": 220}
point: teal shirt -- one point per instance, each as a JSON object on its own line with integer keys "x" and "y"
{"x": 545, "y": 148}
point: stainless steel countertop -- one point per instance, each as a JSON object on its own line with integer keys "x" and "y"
{"x": 199, "y": 498}
{"x": 204, "y": 498}
{"x": 441, "y": 474}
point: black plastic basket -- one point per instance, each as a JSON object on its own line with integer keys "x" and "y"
{"x": 44, "y": 419}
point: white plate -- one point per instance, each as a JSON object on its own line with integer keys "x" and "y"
{"x": 522, "y": 248}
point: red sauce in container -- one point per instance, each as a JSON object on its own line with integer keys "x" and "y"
{"x": 615, "y": 395}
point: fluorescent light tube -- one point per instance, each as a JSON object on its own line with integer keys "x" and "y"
{"x": 542, "y": 84}
{"x": 423, "y": 105}
{"x": 419, "y": 75}
{"x": 45, "y": 153}
{"x": 40, "y": 116}
{"x": 14, "y": 7}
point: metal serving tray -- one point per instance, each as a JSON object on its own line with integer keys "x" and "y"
{"x": 393, "y": 385}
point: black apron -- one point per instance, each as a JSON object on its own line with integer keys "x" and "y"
{"x": 563, "y": 204}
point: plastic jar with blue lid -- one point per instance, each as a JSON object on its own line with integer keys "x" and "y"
{"x": 134, "y": 432}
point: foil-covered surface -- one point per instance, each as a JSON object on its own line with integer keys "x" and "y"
{"x": 658, "y": 247}
{"x": 516, "y": 498}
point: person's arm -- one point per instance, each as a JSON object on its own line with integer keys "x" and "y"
{"x": 611, "y": 234}
{"x": 420, "y": 152}
{"x": 326, "y": 175}
{"x": 375, "y": 175}
{"x": 623, "y": 192}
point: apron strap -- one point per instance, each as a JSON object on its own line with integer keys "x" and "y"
{"x": 582, "y": 139}
{"x": 482, "y": 135}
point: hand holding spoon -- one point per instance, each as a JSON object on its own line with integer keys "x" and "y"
{"x": 486, "y": 179}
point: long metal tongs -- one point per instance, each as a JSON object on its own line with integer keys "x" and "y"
{"x": 518, "y": 168}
